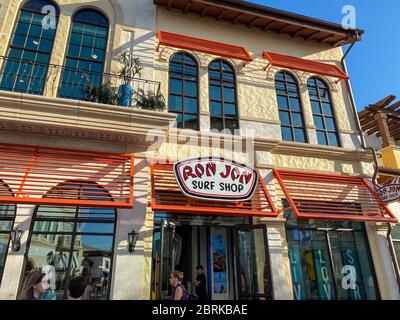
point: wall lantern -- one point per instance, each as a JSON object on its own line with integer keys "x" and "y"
{"x": 16, "y": 235}
{"x": 132, "y": 238}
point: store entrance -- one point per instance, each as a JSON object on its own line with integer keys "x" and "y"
{"x": 233, "y": 253}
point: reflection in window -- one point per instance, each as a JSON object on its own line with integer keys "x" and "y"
{"x": 7, "y": 217}
{"x": 324, "y": 118}
{"x": 86, "y": 52}
{"x": 396, "y": 241}
{"x": 330, "y": 260}
{"x": 183, "y": 90}
{"x": 26, "y": 65}
{"x": 290, "y": 109}
{"x": 222, "y": 92}
{"x": 70, "y": 241}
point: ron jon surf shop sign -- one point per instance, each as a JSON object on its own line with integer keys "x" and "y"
{"x": 215, "y": 179}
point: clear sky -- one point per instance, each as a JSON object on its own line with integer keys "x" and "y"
{"x": 373, "y": 63}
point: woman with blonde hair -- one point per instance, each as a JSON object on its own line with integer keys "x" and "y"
{"x": 178, "y": 290}
{"x": 35, "y": 284}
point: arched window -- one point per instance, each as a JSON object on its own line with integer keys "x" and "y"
{"x": 324, "y": 117}
{"x": 70, "y": 241}
{"x": 183, "y": 90}
{"x": 222, "y": 91}
{"x": 7, "y": 217}
{"x": 26, "y": 65}
{"x": 84, "y": 62}
{"x": 290, "y": 109}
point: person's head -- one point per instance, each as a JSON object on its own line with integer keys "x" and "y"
{"x": 175, "y": 277}
{"x": 34, "y": 285}
{"x": 199, "y": 269}
{"x": 76, "y": 288}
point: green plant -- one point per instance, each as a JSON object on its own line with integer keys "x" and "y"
{"x": 104, "y": 93}
{"x": 149, "y": 100}
{"x": 132, "y": 66}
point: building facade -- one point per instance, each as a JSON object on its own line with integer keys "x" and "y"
{"x": 81, "y": 166}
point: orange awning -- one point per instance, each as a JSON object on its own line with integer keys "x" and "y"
{"x": 332, "y": 196}
{"x": 51, "y": 176}
{"x": 167, "y": 196}
{"x": 202, "y": 45}
{"x": 290, "y": 62}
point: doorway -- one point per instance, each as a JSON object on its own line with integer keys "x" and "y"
{"x": 232, "y": 251}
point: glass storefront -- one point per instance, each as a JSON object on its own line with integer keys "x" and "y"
{"x": 396, "y": 241}
{"x": 330, "y": 260}
{"x": 71, "y": 241}
{"x": 233, "y": 252}
{"x": 7, "y": 217}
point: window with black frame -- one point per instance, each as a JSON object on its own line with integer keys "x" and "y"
{"x": 290, "y": 109}
{"x": 69, "y": 241}
{"x": 183, "y": 90}
{"x": 84, "y": 62}
{"x": 27, "y": 62}
{"x": 222, "y": 92}
{"x": 323, "y": 114}
{"x": 7, "y": 217}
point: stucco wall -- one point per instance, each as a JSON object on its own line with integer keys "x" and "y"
{"x": 255, "y": 87}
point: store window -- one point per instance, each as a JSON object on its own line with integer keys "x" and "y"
{"x": 7, "y": 217}
{"x": 26, "y": 65}
{"x": 183, "y": 90}
{"x": 222, "y": 92}
{"x": 70, "y": 241}
{"x": 323, "y": 114}
{"x": 290, "y": 109}
{"x": 84, "y": 62}
{"x": 330, "y": 260}
{"x": 396, "y": 241}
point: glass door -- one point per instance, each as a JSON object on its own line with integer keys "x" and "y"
{"x": 253, "y": 275}
{"x": 164, "y": 257}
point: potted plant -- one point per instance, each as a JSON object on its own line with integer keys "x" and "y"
{"x": 132, "y": 67}
{"x": 149, "y": 100}
{"x": 104, "y": 93}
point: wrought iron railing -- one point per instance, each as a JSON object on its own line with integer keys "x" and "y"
{"x": 33, "y": 77}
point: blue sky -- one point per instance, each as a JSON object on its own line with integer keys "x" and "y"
{"x": 373, "y": 63}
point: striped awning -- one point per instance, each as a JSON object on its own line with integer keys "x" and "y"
{"x": 167, "y": 197}
{"x": 313, "y": 195}
{"x": 40, "y": 175}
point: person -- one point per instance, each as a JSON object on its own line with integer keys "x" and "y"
{"x": 201, "y": 283}
{"x": 104, "y": 283}
{"x": 35, "y": 284}
{"x": 244, "y": 287}
{"x": 76, "y": 288}
{"x": 178, "y": 290}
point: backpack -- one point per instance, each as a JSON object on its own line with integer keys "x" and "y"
{"x": 186, "y": 295}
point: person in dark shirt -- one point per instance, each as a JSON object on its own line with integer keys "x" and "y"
{"x": 201, "y": 284}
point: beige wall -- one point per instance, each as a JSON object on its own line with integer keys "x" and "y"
{"x": 255, "y": 87}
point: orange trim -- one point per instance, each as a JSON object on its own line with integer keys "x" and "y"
{"x": 21, "y": 186}
{"x": 313, "y": 195}
{"x": 202, "y": 45}
{"x": 34, "y": 171}
{"x": 290, "y": 62}
{"x": 166, "y": 196}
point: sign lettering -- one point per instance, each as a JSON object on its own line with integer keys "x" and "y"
{"x": 390, "y": 192}
{"x": 215, "y": 179}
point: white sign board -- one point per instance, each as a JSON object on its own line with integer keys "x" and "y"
{"x": 390, "y": 192}
{"x": 215, "y": 179}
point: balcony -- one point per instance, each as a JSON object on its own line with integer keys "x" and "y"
{"x": 60, "y": 101}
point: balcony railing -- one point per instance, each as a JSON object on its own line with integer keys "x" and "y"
{"x": 71, "y": 83}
